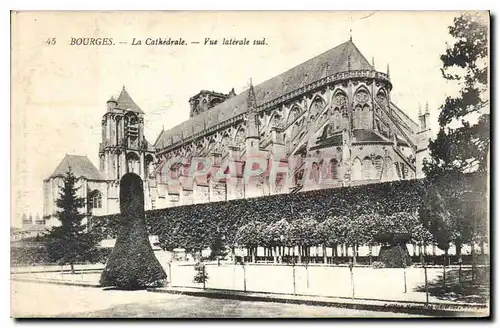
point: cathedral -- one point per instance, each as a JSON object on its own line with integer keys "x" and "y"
{"x": 326, "y": 123}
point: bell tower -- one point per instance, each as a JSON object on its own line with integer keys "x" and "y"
{"x": 123, "y": 148}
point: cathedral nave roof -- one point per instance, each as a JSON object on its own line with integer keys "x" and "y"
{"x": 339, "y": 59}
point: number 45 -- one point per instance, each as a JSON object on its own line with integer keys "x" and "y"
{"x": 51, "y": 41}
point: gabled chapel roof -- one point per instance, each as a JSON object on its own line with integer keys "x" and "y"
{"x": 81, "y": 166}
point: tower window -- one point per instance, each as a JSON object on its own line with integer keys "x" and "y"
{"x": 96, "y": 200}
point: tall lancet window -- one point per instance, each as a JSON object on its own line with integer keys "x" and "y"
{"x": 379, "y": 164}
{"x": 334, "y": 169}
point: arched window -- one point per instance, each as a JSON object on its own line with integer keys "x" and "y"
{"x": 317, "y": 106}
{"x": 133, "y": 162}
{"x": 379, "y": 163}
{"x": 405, "y": 171}
{"x": 334, "y": 169}
{"x": 148, "y": 165}
{"x": 356, "y": 169}
{"x": 315, "y": 173}
{"x": 389, "y": 168}
{"x": 292, "y": 116}
{"x": 357, "y": 117}
{"x": 397, "y": 168}
{"x": 298, "y": 177}
{"x": 366, "y": 117}
{"x": 368, "y": 169}
{"x": 96, "y": 200}
{"x": 339, "y": 101}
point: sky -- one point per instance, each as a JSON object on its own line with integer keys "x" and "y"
{"x": 59, "y": 91}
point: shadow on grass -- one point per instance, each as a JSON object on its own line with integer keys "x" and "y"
{"x": 460, "y": 286}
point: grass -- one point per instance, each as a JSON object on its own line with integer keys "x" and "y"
{"x": 460, "y": 286}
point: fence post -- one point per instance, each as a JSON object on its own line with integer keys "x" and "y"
{"x": 307, "y": 274}
{"x": 244, "y": 278}
{"x": 234, "y": 275}
{"x": 404, "y": 273}
{"x": 426, "y": 286}
{"x": 170, "y": 272}
{"x": 204, "y": 276}
{"x": 460, "y": 269}
{"x": 352, "y": 278}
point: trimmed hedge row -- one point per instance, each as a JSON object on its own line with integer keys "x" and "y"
{"x": 196, "y": 226}
{"x": 25, "y": 256}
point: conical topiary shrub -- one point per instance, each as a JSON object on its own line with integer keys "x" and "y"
{"x": 132, "y": 264}
{"x": 394, "y": 253}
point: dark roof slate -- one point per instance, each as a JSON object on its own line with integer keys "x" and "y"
{"x": 328, "y": 63}
{"x": 81, "y": 166}
{"x": 125, "y": 102}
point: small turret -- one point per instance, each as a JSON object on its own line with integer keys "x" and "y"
{"x": 423, "y": 117}
{"x": 252, "y": 140}
{"x": 423, "y": 136}
{"x": 111, "y": 104}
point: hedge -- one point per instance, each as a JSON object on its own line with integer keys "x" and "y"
{"x": 194, "y": 227}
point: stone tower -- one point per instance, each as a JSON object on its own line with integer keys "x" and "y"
{"x": 123, "y": 148}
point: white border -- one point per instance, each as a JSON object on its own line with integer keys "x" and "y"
{"x": 181, "y": 5}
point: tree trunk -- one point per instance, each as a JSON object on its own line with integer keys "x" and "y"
{"x": 299, "y": 251}
{"x": 274, "y": 250}
{"x": 72, "y": 268}
{"x": 458, "y": 250}
{"x": 434, "y": 253}
{"x": 370, "y": 249}
{"x": 253, "y": 251}
{"x": 472, "y": 253}
{"x": 342, "y": 250}
{"x": 353, "y": 254}
{"x": 444, "y": 267}
{"x": 325, "y": 260}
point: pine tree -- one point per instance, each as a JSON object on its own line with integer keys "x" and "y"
{"x": 70, "y": 242}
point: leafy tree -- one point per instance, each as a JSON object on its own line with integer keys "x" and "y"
{"x": 328, "y": 235}
{"x": 464, "y": 148}
{"x": 303, "y": 234}
{"x": 463, "y": 141}
{"x": 276, "y": 236}
{"x": 250, "y": 236}
{"x": 70, "y": 242}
